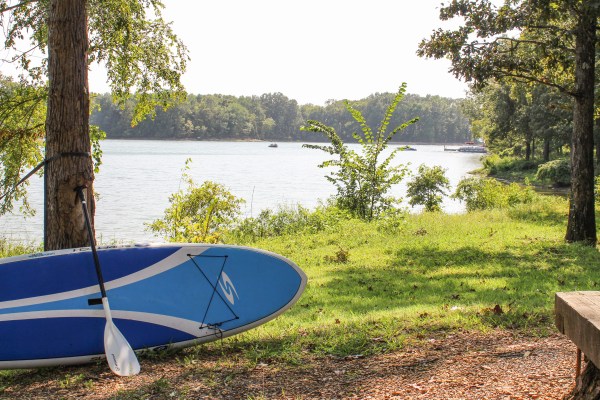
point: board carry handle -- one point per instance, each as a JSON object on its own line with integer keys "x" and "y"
{"x": 119, "y": 354}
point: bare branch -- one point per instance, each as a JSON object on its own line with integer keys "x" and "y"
{"x": 548, "y": 27}
{"x": 19, "y": 5}
{"x": 535, "y": 42}
{"x": 22, "y": 53}
{"x": 499, "y": 40}
{"x": 525, "y": 78}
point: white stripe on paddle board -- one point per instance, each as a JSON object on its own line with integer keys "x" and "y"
{"x": 190, "y": 327}
{"x": 50, "y": 362}
{"x": 172, "y": 261}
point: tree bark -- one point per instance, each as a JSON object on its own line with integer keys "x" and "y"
{"x": 588, "y": 385}
{"x": 596, "y": 139}
{"x": 581, "y": 226}
{"x": 67, "y": 126}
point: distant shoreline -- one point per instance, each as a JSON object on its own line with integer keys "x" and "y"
{"x": 192, "y": 139}
{"x": 250, "y": 140}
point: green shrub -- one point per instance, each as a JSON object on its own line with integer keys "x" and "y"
{"x": 363, "y": 179}
{"x": 392, "y": 220}
{"x": 287, "y": 220}
{"x": 557, "y": 172}
{"x": 495, "y": 164}
{"x": 485, "y": 194}
{"x": 428, "y": 187}
{"x": 199, "y": 213}
{"x": 490, "y": 163}
{"x": 9, "y": 248}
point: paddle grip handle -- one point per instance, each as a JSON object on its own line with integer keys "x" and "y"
{"x": 79, "y": 190}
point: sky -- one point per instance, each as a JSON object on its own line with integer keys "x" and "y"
{"x": 310, "y": 50}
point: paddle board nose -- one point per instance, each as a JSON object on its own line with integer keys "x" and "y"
{"x": 251, "y": 285}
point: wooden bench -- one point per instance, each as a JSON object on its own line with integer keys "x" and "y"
{"x": 577, "y": 316}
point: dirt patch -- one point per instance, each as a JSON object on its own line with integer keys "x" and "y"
{"x": 497, "y": 365}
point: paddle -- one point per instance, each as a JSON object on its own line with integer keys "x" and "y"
{"x": 119, "y": 354}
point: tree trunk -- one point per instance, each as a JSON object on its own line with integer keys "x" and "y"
{"x": 546, "y": 153}
{"x": 527, "y": 150}
{"x": 67, "y": 126}
{"x": 597, "y": 139}
{"x": 588, "y": 385}
{"x": 582, "y": 223}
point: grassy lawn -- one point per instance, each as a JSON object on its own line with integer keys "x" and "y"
{"x": 378, "y": 287}
{"x": 373, "y": 287}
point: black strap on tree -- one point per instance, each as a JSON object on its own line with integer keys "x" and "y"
{"x": 33, "y": 171}
{"x": 43, "y": 164}
{"x": 36, "y": 169}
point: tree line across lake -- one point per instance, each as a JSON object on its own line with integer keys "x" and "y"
{"x": 274, "y": 116}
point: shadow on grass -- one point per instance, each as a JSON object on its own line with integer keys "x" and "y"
{"x": 430, "y": 278}
{"x": 542, "y": 216}
{"x": 355, "y": 310}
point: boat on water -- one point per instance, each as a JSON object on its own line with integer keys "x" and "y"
{"x": 472, "y": 149}
{"x": 273, "y": 145}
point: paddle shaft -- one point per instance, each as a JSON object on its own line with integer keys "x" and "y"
{"x": 92, "y": 241}
{"x": 119, "y": 354}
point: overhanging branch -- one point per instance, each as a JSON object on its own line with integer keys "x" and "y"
{"x": 19, "y": 5}
{"x": 531, "y": 78}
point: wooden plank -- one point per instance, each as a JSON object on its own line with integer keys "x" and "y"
{"x": 577, "y": 315}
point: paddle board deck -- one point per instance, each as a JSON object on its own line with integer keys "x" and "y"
{"x": 160, "y": 295}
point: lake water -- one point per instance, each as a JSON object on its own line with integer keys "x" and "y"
{"x": 137, "y": 177}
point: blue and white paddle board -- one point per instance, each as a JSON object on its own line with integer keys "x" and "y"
{"x": 160, "y": 295}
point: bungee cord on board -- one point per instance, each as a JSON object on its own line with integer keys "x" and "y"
{"x": 215, "y": 291}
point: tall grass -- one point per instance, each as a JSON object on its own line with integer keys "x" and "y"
{"x": 10, "y": 248}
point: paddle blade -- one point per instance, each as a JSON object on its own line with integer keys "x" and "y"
{"x": 119, "y": 354}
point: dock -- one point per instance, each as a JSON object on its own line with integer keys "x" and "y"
{"x": 466, "y": 149}
{"x": 577, "y": 315}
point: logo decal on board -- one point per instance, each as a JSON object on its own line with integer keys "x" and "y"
{"x": 228, "y": 288}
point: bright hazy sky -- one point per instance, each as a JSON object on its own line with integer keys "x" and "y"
{"x": 309, "y": 50}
